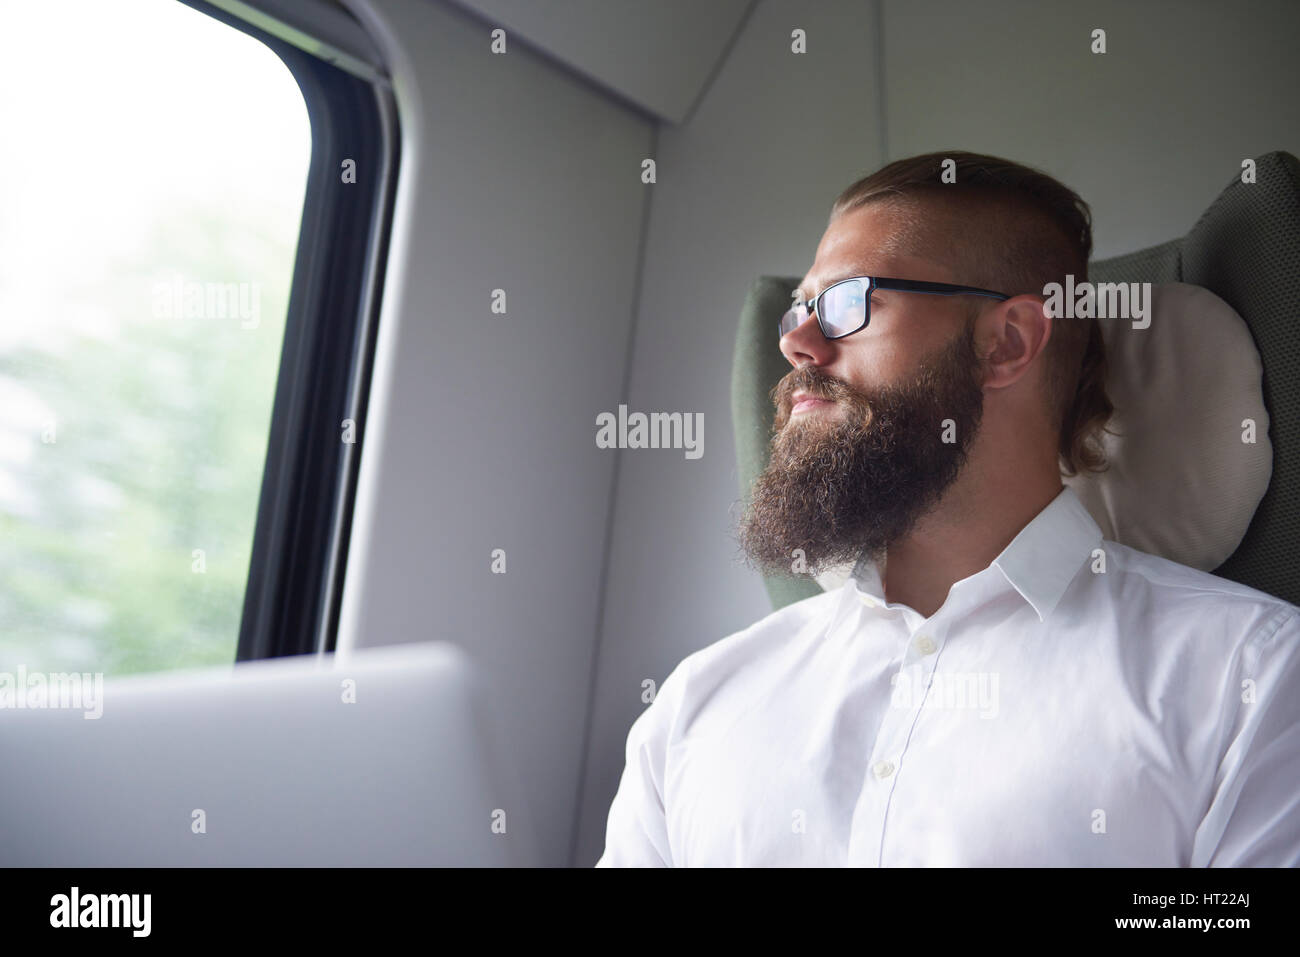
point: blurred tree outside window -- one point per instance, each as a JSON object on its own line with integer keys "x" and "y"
{"x": 152, "y": 175}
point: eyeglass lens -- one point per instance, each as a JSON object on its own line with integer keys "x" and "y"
{"x": 843, "y": 310}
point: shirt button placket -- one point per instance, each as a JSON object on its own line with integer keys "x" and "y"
{"x": 900, "y": 711}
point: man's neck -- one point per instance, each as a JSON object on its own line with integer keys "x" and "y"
{"x": 976, "y": 519}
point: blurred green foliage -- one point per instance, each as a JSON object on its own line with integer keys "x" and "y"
{"x": 160, "y": 436}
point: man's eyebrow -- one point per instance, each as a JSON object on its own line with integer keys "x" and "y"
{"x": 851, "y": 273}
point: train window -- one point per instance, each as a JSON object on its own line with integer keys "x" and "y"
{"x": 158, "y": 312}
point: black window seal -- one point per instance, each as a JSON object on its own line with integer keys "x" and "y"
{"x": 304, "y": 516}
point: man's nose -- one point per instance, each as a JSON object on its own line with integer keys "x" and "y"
{"x": 805, "y": 343}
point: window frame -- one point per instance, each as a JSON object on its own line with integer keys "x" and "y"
{"x": 304, "y": 515}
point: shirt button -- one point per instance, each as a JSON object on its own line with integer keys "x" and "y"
{"x": 867, "y": 600}
{"x": 883, "y": 769}
{"x": 925, "y": 645}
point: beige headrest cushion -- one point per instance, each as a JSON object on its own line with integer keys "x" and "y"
{"x": 1193, "y": 457}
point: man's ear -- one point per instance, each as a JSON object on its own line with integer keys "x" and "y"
{"x": 1011, "y": 336}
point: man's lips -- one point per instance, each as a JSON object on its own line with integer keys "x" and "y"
{"x": 803, "y": 402}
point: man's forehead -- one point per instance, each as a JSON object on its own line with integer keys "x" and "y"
{"x": 869, "y": 241}
{"x": 896, "y": 265}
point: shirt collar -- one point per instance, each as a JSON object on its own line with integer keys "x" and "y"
{"x": 1039, "y": 563}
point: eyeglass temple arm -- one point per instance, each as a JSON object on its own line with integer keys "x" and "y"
{"x": 937, "y": 288}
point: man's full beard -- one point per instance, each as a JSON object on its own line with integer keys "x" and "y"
{"x": 854, "y": 478}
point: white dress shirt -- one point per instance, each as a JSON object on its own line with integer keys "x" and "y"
{"x": 1077, "y": 703}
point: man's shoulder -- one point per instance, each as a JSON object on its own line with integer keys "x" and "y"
{"x": 1141, "y": 579}
{"x": 732, "y": 663}
{"x": 774, "y": 634}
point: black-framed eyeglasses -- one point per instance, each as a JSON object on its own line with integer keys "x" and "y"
{"x": 844, "y": 307}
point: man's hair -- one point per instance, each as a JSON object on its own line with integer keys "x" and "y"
{"x": 1012, "y": 229}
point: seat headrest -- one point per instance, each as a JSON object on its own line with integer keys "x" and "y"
{"x": 1192, "y": 458}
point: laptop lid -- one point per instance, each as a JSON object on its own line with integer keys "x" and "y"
{"x": 379, "y": 757}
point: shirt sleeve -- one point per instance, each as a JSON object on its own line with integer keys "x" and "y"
{"x": 1254, "y": 818}
{"x": 636, "y": 832}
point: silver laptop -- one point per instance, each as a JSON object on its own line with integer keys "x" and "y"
{"x": 382, "y": 757}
